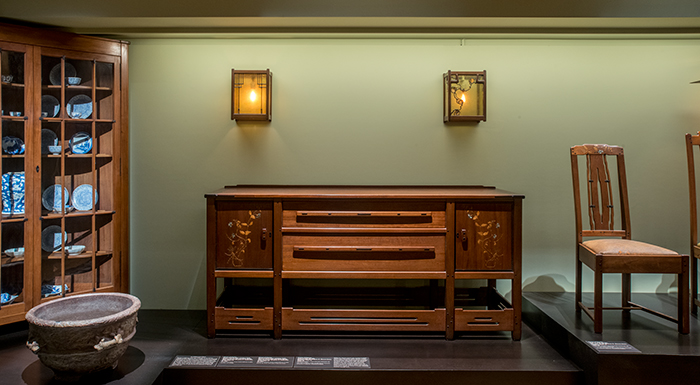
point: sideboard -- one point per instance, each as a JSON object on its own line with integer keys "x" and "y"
{"x": 363, "y": 259}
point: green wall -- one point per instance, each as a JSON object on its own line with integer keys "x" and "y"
{"x": 369, "y": 111}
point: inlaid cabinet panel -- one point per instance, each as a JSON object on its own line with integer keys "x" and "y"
{"x": 244, "y": 231}
{"x": 484, "y": 236}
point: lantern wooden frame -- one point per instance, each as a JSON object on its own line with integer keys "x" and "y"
{"x": 452, "y": 106}
{"x": 262, "y": 79}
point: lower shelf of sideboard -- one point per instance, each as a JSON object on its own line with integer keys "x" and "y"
{"x": 363, "y": 320}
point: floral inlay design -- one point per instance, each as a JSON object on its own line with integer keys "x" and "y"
{"x": 240, "y": 238}
{"x": 489, "y": 234}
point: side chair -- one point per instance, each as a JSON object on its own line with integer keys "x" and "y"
{"x": 610, "y": 249}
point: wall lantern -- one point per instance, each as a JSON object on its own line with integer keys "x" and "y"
{"x": 464, "y": 96}
{"x": 251, "y": 95}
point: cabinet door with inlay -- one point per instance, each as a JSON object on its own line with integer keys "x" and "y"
{"x": 484, "y": 236}
{"x": 244, "y": 231}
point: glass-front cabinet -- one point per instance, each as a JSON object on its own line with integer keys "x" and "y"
{"x": 64, "y": 190}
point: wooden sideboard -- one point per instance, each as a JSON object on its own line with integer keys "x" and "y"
{"x": 363, "y": 259}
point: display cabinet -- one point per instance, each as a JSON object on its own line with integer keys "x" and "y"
{"x": 359, "y": 258}
{"x": 64, "y": 172}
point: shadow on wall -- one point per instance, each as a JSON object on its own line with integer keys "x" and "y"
{"x": 669, "y": 284}
{"x": 556, "y": 283}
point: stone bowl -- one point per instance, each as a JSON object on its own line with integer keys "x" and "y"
{"x": 82, "y": 334}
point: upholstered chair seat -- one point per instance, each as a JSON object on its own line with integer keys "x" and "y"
{"x": 625, "y": 247}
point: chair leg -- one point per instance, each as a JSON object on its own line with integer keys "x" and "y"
{"x": 694, "y": 284}
{"x": 626, "y": 290}
{"x": 598, "y": 302}
{"x": 683, "y": 300}
{"x": 577, "y": 298}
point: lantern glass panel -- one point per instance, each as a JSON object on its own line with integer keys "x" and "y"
{"x": 250, "y": 93}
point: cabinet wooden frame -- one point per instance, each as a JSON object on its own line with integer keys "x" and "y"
{"x": 381, "y": 234}
{"x": 103, "y": 229}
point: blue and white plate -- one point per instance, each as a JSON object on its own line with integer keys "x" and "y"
{"x": 54, "y": 197}
{"x": 82, "y": 197}
{"x": 50, "y": 105}
{"x": 49, "y": 290}
{"x": 80, "y": 143}
{"x": 12, "y": 145}
{"x": 13, "y": 193}
{"x": 7, "y": 298}
{"x": 79, "y": 107}
{"x": 55, "y": 74}
{"x": 48, "y": 138}
{"x": 51, "y": 238}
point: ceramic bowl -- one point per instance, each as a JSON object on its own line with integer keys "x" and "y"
{"x": 15, "y": 252}
{"x": 55, "y": 150}
{"x": 15, "y": 113}
{"x": 7, "y": 78}
{"x": 75, "y": 249}
{"x": 73, "y": 80}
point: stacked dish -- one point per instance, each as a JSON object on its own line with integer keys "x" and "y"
{"x": 13, "y": 193}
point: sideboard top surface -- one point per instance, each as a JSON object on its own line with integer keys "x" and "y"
{"x": 379, "y": 192}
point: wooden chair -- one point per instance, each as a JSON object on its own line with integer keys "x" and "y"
{"x": 613, "y": 250}
{"x": 690, "y": 141}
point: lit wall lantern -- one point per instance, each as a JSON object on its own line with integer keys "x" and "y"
{"x": 251, "y": 95}
{"x": 464, "y": 96}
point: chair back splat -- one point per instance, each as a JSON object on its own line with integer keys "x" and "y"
{"x": 600, "y": 190}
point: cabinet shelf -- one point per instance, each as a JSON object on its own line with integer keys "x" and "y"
{"x": 71, "y": 156}
{"x": 76, "y": 214}
{"x": 8, "y": 261}
{"x": 13, "y": 218}
{"x": 8, "y": 156}
{"x": 84, "y": 255}
{"x": 18, "y": 85}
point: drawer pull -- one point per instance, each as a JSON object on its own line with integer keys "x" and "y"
{"x": 364, "y": 214}
{"x": 379, "y": 249}
{"x": 465, "y": 240}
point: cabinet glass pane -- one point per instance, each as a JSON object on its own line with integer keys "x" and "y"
{"x": 104, "y": 96}
{"x": 77, "y": 174}
{"x": 12, "y": 168}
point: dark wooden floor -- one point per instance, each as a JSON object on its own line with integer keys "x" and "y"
{"x": 162, "y": 335}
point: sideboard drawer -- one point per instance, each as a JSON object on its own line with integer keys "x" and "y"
{"x": 244, "y": 319}
{"x": 372, "y": 214}
{"x": 363, "y": 253}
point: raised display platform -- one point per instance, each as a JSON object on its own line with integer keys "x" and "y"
{"x": 634, "y": 348}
